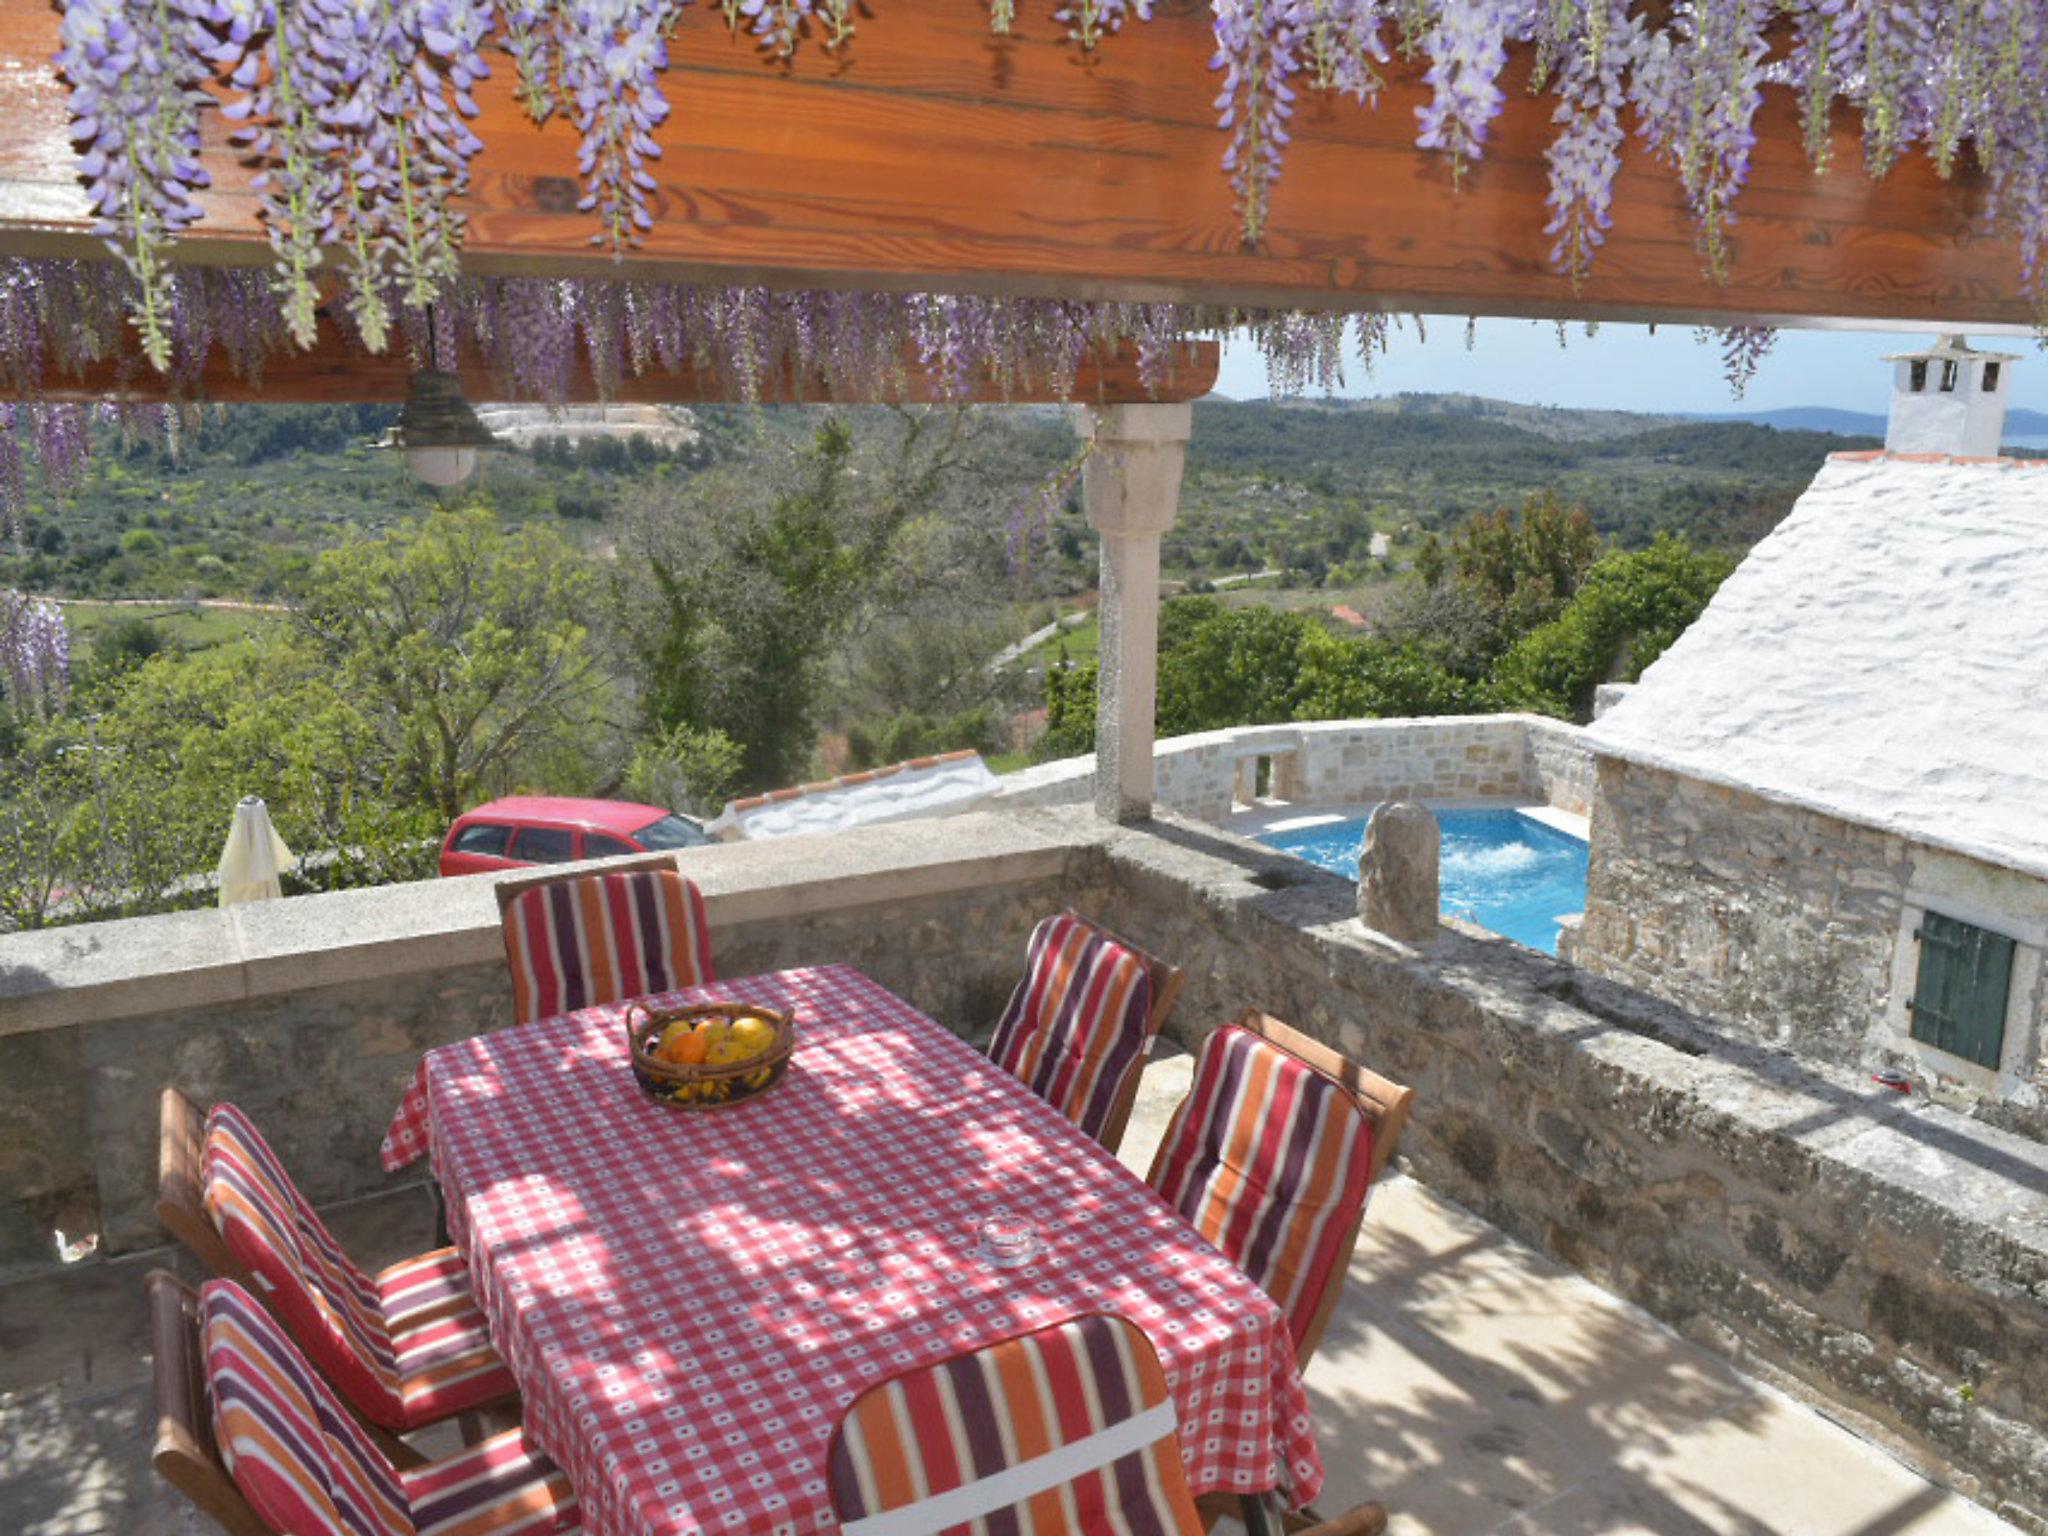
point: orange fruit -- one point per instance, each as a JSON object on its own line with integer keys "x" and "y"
{"x": 687, "y": 1049}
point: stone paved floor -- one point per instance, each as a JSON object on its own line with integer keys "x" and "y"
{"x": 1466, "y": 1382}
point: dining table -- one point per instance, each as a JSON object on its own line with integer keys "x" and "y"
{"x": 690, "y": 1299}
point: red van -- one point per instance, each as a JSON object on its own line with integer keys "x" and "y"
{"x": 547, "y": 829}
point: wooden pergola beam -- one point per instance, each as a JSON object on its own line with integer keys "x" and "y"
{"x": 335, "y": 371}
{"x": 933, "y": 155}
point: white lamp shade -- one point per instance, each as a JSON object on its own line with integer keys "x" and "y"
{"x": 442, "y": 466}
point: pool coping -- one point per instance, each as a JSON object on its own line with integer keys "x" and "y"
{"x": 1276, "y": 816}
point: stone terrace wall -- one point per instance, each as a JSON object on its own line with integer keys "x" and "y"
{"x": 1887, "y": 1256}
{"x": 312, "y": 1013}
{"x": 1527, "y": 758}
{"x": 1784, "y": 924}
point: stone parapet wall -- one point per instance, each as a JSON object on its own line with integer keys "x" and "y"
{"x": 1448, "y": 758}
{"x": 1887, "y": 1258}
{"x": 312, "y": 1013}
{"x": 1786, "y": 926}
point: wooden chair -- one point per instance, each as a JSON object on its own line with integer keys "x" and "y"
{"x": 185, "y": 1455}
{"x": 1375, "y": 1102}
{"x": 1073, "y": 1430}
{"x": 600, "y": 936}
{"x": 180, "y": 1187}
{"x": 1073, "y": 1030}
{"x": 225, "y": 1369}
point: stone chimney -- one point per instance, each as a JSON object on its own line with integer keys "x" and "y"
{"x": 1949, "y": 398}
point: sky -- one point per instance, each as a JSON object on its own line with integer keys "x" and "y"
{"x": 1625, "y": 367}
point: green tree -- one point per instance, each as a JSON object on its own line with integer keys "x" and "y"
{"x": 467, "y": 646}
{"x": 1627, "y": 612}
{"x": 744, "y": 585}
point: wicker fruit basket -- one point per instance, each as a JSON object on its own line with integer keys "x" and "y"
{"x": 703, "y": 1083}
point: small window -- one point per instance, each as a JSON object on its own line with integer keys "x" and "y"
{"x": 1991, "y": 373}
{"x": 1949, "y": 373}
{"x": 598, "y": 846}
{"x": 483, "y": 837}
{"x": 1918, "y": 372}
{"x": 672, "y": 831}
{"x": 1959, "y": 1000}
{"x": 543, "y": 845}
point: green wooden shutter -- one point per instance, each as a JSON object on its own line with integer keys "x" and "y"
{"x": 1959, "y": 1003}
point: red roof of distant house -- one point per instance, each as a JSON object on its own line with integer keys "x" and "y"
{"x": 1875, "y": 455}
{"x": 623, "y": 816}
{"x": 1344, "y": 613}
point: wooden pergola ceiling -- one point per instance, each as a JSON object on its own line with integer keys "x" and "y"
{"x": 933, "y": 155}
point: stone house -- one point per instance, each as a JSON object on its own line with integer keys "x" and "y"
{"x": 1821, "y": 818}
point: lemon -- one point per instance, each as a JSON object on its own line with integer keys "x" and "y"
{"x": 726, "y": 1053}
{"x": 713, "y": 1032}
{"x": 755, "y": 1037}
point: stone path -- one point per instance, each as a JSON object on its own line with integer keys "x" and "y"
{"x": 1467, "y": 1382}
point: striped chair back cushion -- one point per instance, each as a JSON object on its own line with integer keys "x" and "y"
{"x": 1270, "y": 1160}
{"x": 332, "y": 1307}
{"x": 1076, "y": 1026}
{"x": 601, "y": 938}
{"x": 1066, "y": 1430}
{"x": 292, "y": 1449}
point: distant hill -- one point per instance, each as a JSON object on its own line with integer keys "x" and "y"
{"x": 1560, "y": 423}
{"x": 2020, "y": 425}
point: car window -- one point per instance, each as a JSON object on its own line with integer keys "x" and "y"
{"x": 544, "y": 845}
{"x": 483, "y": 837}
{"x": 671, "y": 832}
{"x": 597, "y": 846}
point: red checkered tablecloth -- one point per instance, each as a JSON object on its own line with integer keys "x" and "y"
{"x": 690, "y": 1301}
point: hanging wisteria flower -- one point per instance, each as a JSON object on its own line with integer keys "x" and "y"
{"x": 135, "y": 71}
{"x": 1743, "y": 350}
{"x": 35, "y": 651}
{"x": 1088, "y": 22}
{"x": 1468, "y": 48}
{"x": 13, "y": 474}
{"x": 528, "y": 37}
{"x": 612, "y": 53}
{"x": 1258, "y": 49}
{"x": 1585, "y": 157}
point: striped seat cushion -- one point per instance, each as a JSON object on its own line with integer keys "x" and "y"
{"x": 1066, "y": 1430}
{"x": 413, "y": 1291}
{"x": 447, "y": 1365}
{"x": 429, "y": 1359}
{"x": 1271, "y": 1161}
{"x": 1077, "y": 1026}
{"x": 503, "y": 1487}
{"x": 332, "y": 1307}
{"x": 601, "y": 938}
{"x": 291, "y": 1448}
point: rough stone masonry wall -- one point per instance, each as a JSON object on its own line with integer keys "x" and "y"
{"x": 1779, "y": 922}
{"x": 1886, "y": 1257}
{"x": 321, "y": 1047}
{"x": 1445, "y": 758}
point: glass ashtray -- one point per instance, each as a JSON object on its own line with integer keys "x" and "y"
{"x": 1006, "y": 1240}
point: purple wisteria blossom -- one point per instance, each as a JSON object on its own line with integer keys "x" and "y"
{"x": 612, "y": 53}
{"x": 1088, "y": 22}
{"x": 1743, "y": 350}
{"x": 1468, "y": 48}
{"x": 35, "y": 651}
{"x": 13, "y": 474}
{"x": 1258, "y": 49}
{"x": 135, "y": 71}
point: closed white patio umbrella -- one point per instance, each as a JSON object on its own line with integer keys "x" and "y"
{"x": 254, "y": 857}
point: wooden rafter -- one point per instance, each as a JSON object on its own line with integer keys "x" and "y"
{"x": 335, "y": 370}
{"x": 933, "y": 155}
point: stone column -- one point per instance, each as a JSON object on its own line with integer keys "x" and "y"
{"x": 1132, "y": 489}
{"x": 1397, "y": 872}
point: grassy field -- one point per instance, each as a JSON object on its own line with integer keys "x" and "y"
{"x": 184, "y": 625}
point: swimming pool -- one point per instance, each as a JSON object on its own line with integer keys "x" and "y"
{"x": 1502, "y": 870}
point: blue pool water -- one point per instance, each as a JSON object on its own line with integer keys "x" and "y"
{"x": 1502, "y": 870}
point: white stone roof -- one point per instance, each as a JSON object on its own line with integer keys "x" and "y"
{"x": 1882, "y": 657}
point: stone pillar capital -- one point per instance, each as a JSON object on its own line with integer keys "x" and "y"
{"x": 1132, "y": 479}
